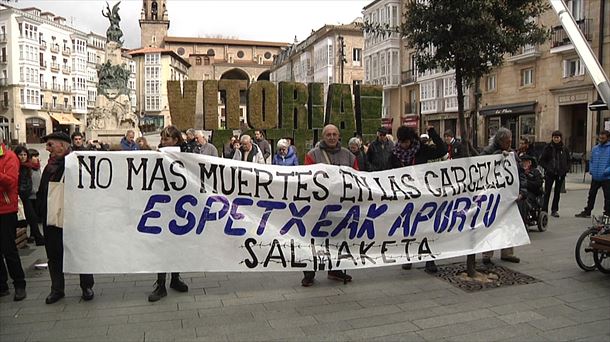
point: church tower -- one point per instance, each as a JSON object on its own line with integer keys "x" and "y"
{"x": 154, "y": 23}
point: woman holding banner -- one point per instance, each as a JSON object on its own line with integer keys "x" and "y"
{"x": 170, "y": 136}
{"x": 410, "y": 151}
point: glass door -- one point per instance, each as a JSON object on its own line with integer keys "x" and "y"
{"x": 493, "y": 124}
{"x": 527, "y": 127}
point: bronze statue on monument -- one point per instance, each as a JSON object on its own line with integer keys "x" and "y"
{"x": 112, "y": 115}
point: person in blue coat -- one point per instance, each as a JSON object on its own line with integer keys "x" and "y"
{"x": 285, "y": 154}
{"x": 128, "y": 143}
{"x": 599, "y": 168}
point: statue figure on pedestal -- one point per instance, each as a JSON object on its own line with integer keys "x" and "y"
{"x": 112, "y": 115}
{"x": 113, "y": 33}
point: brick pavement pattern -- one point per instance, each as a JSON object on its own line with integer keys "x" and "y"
{"x": 382, "y": 304}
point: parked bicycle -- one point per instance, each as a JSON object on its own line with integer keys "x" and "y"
{"x": 593, "y": 246}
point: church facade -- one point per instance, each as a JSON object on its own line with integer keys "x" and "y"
{"x": 205, "y": 58}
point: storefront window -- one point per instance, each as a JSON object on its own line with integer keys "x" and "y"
{"x": 151, "y": 123}
{"x": 527, "y": 126}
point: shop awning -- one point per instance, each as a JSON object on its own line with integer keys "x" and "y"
{"x": 65, "y": 119}
{"x": 509, "y": 108}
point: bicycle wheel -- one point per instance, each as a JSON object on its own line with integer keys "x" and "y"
{"x": 602, "y": 261}
{"x": 585, "y": 259}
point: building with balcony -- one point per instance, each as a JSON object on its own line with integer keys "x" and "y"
{"x": 156, "y": 66}
{"x": 96, "y": 50}
{"x": 543, "y": 88}
{"x": 47, "y": 74}
{"x": 318, "y": 57}
{"x": 382, "y": 56}
{"x": 438, "y": 100}
{"x": 409, "y": 113}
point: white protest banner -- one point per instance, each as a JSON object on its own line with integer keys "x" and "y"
{"x": 129, "y": 212}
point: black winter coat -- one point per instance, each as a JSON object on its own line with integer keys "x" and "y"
{"x": 555, "y": 159}
{"x": 25, "y": 182}
{"x": 456, "y": 150}
{"x": 534, "y": 182}
{"x": 379, "y": 155}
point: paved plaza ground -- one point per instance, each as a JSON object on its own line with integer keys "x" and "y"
{"x": 384, "y": 304}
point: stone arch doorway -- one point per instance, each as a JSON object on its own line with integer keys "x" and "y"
{"x": 235, "y": 74}
{"x": 264, "y": 76}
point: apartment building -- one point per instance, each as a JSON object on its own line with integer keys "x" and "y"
{"x": 332, "y": 54}
{"x": 382, "y": 57}
{"x": 545, "y": 87}
{"x": 47, "y": 74}
{"x": 537, "y": 90}
{"x": 155, "y": 66}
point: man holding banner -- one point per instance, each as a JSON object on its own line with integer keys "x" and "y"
{"x": 329, "y": 152}
{"x": 500, "y": 144}
{"x": 58, "y": 145}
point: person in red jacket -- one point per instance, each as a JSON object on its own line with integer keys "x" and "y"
{"x": 9, "y": 184}
{"x": 329, "y": 152}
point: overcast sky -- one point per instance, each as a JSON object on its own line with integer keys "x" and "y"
{"x": 270, "y": 20}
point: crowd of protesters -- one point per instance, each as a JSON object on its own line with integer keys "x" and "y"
{"x": 21, "y": 178}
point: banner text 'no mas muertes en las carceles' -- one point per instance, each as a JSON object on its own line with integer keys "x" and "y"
{"x": 128, "y": 212}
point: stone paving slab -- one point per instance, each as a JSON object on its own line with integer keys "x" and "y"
{"x": 381, "y": 304}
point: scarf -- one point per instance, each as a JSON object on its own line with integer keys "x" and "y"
{"x": 30, "y": 164}
{"x": 406, "y": 157}
{"x": 328, "y": 149}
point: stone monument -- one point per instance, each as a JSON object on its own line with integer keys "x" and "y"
{"x": 112, "y": 115}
